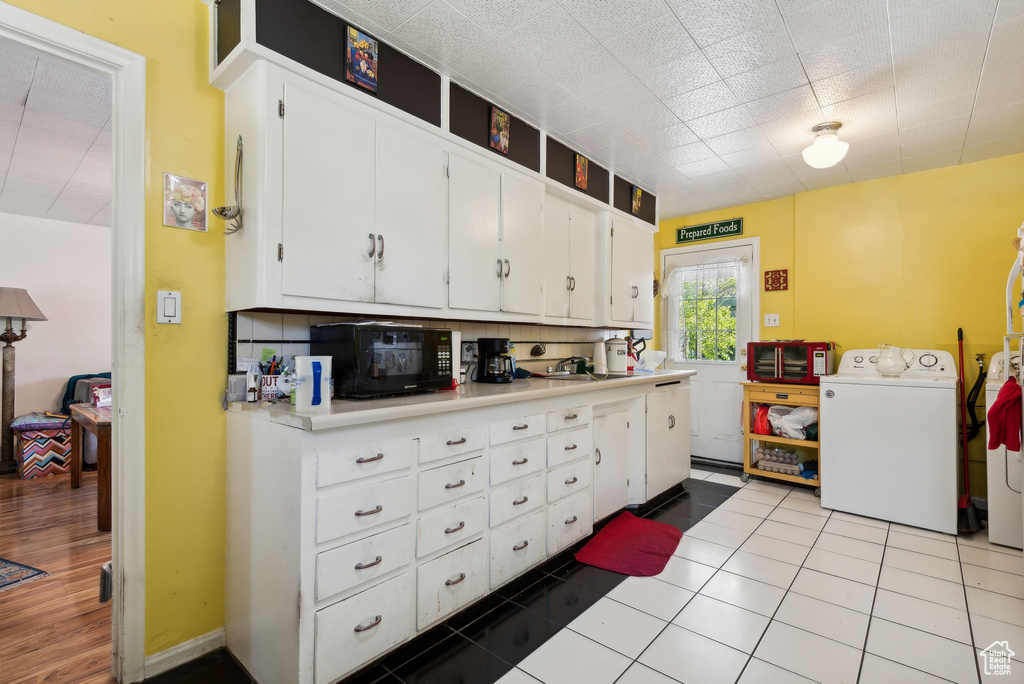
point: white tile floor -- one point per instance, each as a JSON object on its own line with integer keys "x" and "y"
{"x": 771, "y": 587}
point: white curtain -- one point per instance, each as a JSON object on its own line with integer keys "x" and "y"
{"x": 694, "y": 282}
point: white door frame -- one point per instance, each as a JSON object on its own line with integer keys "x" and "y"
{"x": 128, "y": 446}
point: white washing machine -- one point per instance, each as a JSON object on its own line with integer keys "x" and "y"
{"x": 1004, "y": 469}
{"x": 889, "y": 444}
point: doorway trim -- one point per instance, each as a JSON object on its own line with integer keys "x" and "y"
{"x": 128, "y": 322}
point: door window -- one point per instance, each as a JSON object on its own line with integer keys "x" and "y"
{"x": 703, "y": 311}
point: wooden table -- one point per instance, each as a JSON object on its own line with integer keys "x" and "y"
{"x": 97, "y": 421}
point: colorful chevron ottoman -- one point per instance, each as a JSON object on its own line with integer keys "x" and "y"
{"x": 44, "y": 445}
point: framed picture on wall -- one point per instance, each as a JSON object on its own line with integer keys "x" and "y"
{"x": 636, "y": 194}
{"x": 184, "y": 203}
{"x": 499, "y": 130}
{"x": 361, "y": 59}
{"x": 582, "y": 164}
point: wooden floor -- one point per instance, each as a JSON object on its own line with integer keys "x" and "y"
{"x": 54, "y": 629}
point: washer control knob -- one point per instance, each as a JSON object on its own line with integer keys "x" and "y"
{"x": 858, "y": 359}
{"x": 928, "y": 360}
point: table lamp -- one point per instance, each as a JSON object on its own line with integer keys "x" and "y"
{"x": 14, "y": 303}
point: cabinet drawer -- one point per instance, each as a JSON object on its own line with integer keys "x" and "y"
{"x": 568, "y": 446}
{"x": 349, "y": 566}
{"x": 359, "y": 509}
{"x": 450, "y": 525}
{"x": 358, "y": 629}
{"x": 516, "y": 548}
{"x": 357, "y": 462}
{"x": 569, "y": 479}
{"x": 517, "y": 428}
{"x": 452, "y": 482}
{"x": 569, "y": 520}
{"x": 515, "y": 461}
{"x": 562, "y": 419}
{"x": 452, "y": 443}
{"x": 516, "y": 499}
{"x": 796, "y": 395}
{"x": 449, "y": 582}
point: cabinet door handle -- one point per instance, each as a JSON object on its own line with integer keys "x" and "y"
{"x": 522, "y": 461}
{"x": 373, "y": 245}
{"x": 508, "y": 268}
{"x": 363, "y": 459}
{"x": 597, "y": 453}
{"x": 380, "y": 254}
{"x": 572, "y": 448}
{"x": 456, "y": 442}
{"x": 455, "y": 485}
{"x": 363, "y": 566}
{"x": 453, "y": 530}
{"x": 572, "y": 480}
{"x": 374, "y": 511}
{"x": 520, "y": 547}
{"x": 520, "y": 502}
{"x": 499, "y": 268}
{"x": 521, "y": 427}
{"x": 363, "y": 628}
{"x": 671, "y": 422}
{"x": 571, "y": 520}
{"x": 572, "y": 416}
{"x": 568, "y": 282}
{"x": 452, "y": 583}
{"x": 573, "y": 288}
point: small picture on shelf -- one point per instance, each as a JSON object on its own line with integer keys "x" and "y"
{"x": 581, "y": 171}
{"x": 361, "y": 59}
{"x": 637, "y": 194}
{"x": 500, "y": 124}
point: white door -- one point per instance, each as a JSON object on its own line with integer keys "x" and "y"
{"x": 668, "y": 443}
{"x": 709, "y": 318}
{"x": 328, "y": 191}
{"x": 556, "y": 256}
{"x": 622, "y": 270}
{"x": 522, "y": 232}
{"x": 611, "y": 463}
{"x": 410, "y": 215}
{"x": 582, "y": 254}
{"x": 474, "y": 235}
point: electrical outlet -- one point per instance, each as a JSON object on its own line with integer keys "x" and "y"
{"x": 468, "y": 352}
{"x": 771, "y": 320}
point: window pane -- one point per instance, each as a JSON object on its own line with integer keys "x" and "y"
{"x": 707, "y": 285}
{"x": 726, "y": 345}
{"x": 706, "y": 345}
{"x": 689, "y": 314}
{"x": 727, "y": 282}
{"x": 726, "y": 314}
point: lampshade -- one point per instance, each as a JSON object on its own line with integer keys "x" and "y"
{"x": 827, "y": 149}
{"x": 15, "y": 303}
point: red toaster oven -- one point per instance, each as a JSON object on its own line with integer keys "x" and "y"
{"x": 793, "y": 361}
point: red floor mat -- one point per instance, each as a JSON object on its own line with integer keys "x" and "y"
{"x": 631, "y": 546}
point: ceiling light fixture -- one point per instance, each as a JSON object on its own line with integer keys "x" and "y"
{"x": 827, "y": 149}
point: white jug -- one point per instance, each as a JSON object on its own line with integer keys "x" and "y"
{"x": 616, "y": 355}
{"x": 892, "y": 360}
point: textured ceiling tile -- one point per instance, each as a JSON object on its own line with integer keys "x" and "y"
{"x": 605, "y": 20}
{"x": 837, "y": 175}
{"x": 912, "y": 115}
{"x": 644, "y": 117}
{"x": 103, "y": 217}
{"x": 932, "y": 160}
{"x": 442, "y": 33}
{"x": 569, "y": 117}
{"x": 1002, "y": 81}
{"x": 866, "y": 116}
{"x": 767, "y": 173}
{"x": 667, "y": 138}
{"x": 830, "y": 20}
{"x": 994, "y": 124}
{"x": 498, "y": 17}
{"x": 536, "y": 95}
{"x": 686, "y": 154}
{"x": 736, "y": 141}
{"x": 885, "y": 147}
{"x": 720, "y": 123}
{"x": 711, "y": 21}
{"x": 990, "y": 149}
{"x": 702, "y": 101}
{"x": 680, "y": 75}
{"x": 937, "y": 136}
{"x": 386, "y": 14}
{"x": 591, "y": 70}
{"x": 621, "y": 152}
{"x": 17, "y": 66}
{"x": 492, "y": 67}
{"x": 856, "y": 51}
{"x": 704, "y": 167}
{"x": 763, "y": 45}
{"x": 77, "y": 206}
{"x": 649, "y": 45}
{"x": 750, "y": 157}
{"x": 768, "y": 80}
{"x": 865, "y": 172}
{"x": 798, "y": 102}
{"x": 791, "y": 135}
{"x": 854, "y": 83}
{"x": 1009, "y": 9}
{"x": 356, "y": 19}
{"x": 597, "y": 136}
{"x": 42, "y": 151}
{"x": 552, "y": 37}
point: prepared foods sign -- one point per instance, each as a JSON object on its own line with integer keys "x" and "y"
{"x": 709, "y": 231}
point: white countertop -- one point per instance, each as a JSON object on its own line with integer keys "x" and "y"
{"x": 346, "y": 412}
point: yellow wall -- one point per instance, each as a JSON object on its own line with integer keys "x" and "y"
{"x": 185, "y": 442}
{"x": 904, "y": 260}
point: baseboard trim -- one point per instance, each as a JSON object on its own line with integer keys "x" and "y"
{"x": 161, "y": 662}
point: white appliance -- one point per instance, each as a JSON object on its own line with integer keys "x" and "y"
{"x": 1005, "y": 519}
{"x": 889, "y": 444}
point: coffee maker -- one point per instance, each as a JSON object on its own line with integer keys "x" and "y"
{"x": 495, "y": 362}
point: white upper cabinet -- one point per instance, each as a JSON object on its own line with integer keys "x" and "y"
{"x": 410, "y": 220}
{"x": 328, "y": 199}
{"x": 557, "y": 282}
{"x": 474, "y": 235}
{"x": 569, "y": 246}
{"x": 522, "y": 234}
{"x": 632, "y": 280}
{"x": 582, "y": 231}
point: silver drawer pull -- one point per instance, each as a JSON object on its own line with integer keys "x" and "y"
{"x": 452, "y": 583}
{"x": 571, "y": 520}
{"x": 363, "y": 566}
{"x": 378, "y": 457}
{"x": 363, "y": 628}
{"x": 456, "y": 442}
{"x": 520, "y": 502}
{"x": 520, "y": 547}
{"x": 572, "y": 416}
{"x": 453, "y": 530}
{"x": 522, "y": 461}
{"x": 521, "y": 427}
{"x": 572, "y": 480}
{"x": 456, "y": 485}
{"x": 375, "y": 511}
{"x": 571, "y": 448}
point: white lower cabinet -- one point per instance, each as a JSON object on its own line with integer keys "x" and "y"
{"x": 361, "y": 561}
{"x": 668, "y": 437}
{"x": 452, "y": 482}
{"x": 569, "y": 521}
{"x": 517, "y": 547}
{"x": 358, "y": 629}
{"x": 516, "y": 499}
{"x": 569, "y": 446}
{"x": 449, "y": 582}
{"x": 569, "y": 479}
{"x": 342, "y": 513}
{"x": 511, "y": 462}
{"x": 611, "y": 463}
{"x": 450, "y": 526}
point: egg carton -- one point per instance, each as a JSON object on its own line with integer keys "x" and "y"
{"x": 776, "y": 455}
{"x": 786, "y": 468}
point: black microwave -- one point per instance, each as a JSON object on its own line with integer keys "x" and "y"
{"x": 371, "y": 360}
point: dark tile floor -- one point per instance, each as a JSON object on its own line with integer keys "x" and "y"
{"x": 480, "y": 644}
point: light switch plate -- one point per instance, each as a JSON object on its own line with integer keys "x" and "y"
{"x": 168, "y": 307}
{"x": 771, "y": 320}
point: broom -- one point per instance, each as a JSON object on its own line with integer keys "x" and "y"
{"x": 967, "y": 521}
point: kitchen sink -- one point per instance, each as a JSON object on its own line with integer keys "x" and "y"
{"x": 586, "y": 378}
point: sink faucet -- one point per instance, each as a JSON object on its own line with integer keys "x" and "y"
{"x": 569, "y": 363}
